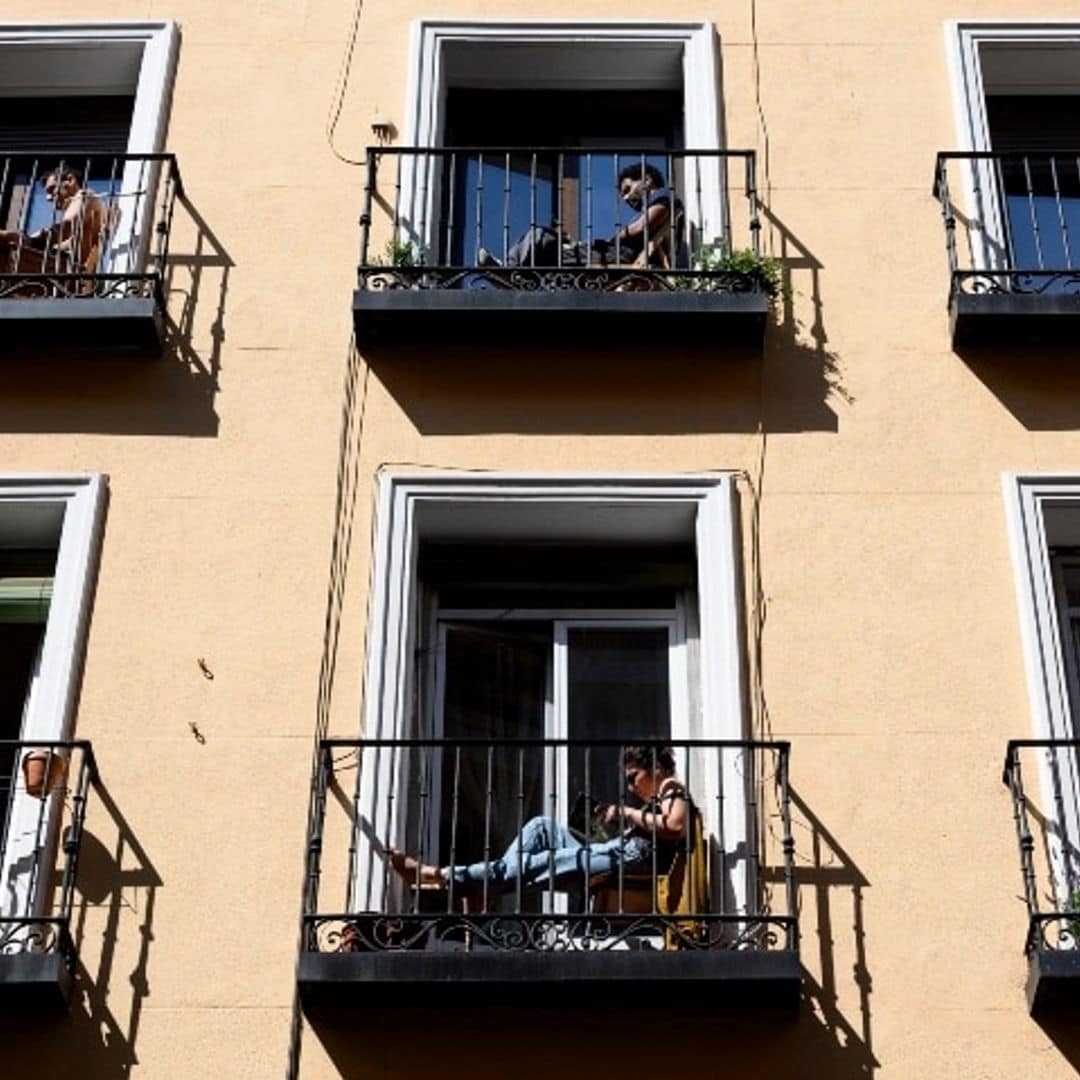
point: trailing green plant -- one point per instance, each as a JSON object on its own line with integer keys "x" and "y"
{"x": 1073, "y": 907}
{"x": 763, "y": 270}
{"x": 403, "y": 254}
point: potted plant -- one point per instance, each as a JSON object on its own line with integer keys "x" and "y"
{"x": 42, "y": 771}
{"x": 762, "y": 271}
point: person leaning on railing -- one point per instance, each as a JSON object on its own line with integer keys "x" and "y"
{"x": 70, "y": 244}
{"x": 643, "y": 188}
{"x": 546, "y": 851}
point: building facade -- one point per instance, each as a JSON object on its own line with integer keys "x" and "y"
{"x": 707, "y": 383}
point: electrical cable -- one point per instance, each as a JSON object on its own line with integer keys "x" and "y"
{"x": 342, "y": 86}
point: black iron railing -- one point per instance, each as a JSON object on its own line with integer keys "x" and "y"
{"x": 553, "y": 218}
{"x": 1012, "y": 220}
{"x": 43, "y": 791}
{"x": 524, "y": 859}
{"x": 1047, "y": 818}
{"x": 85, "y": 225}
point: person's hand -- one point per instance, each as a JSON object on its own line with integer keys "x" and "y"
{"x": 607, "y": 813}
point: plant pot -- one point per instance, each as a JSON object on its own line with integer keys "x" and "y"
{"x": 35, "y": 766}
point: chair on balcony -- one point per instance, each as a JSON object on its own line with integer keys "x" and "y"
{"x": 86, "y": 257}
{"x": 681, "y": 890}
{"x": 657, "y": 254}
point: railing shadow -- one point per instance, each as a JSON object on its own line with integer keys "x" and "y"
{"x": 826, "y": 876}
{"x": 104, "y": 391}
{"x": 116, "y": 889}
{"x": 802, "y": 374}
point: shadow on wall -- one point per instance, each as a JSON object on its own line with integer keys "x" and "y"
{"x": 802, "y": 375}
{"x": 112, "y": 917}
{"x": 622, "y": 1034}
{"x": 106, "y": 392}
{"x": 559, "y": 387}
{"x": 1039, "y": 385}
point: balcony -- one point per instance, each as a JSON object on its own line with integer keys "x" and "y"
{"x": 43, "y": 802}
{"x": 83, "y": 247}
{"x": 537, "y": 246}
{"x": 1047, "y": 827}
{"x": 712, "y": 910}
{"x": 1012, "y": 233}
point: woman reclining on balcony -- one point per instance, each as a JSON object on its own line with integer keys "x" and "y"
{"x": 546, "y": 850}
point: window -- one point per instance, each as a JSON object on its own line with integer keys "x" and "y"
{"x": 91, "y": 99}
{"x": 49, "y": 539}
{"x": 640, "y": 86}
{"x": 1017, "y": 89}
{"x": 553, "y": 608}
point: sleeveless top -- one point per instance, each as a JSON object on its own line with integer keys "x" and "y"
{"x": 666, "y": 847}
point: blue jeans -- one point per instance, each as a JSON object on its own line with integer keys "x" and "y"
{"x": 546, "y": 851}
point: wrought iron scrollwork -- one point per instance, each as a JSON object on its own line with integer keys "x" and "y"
{"x": 1018, "y": 282}
{"x": 77, "y": 286}
{"x": 592, "y": 279}
{"x": 521, "y": 933}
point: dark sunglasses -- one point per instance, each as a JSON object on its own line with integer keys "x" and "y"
{"x": 632, "y": 777}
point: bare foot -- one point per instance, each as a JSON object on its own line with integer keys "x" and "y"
{"x": 414, "y": 871}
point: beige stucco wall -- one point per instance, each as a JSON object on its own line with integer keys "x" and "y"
{"x": 891, "y": 651}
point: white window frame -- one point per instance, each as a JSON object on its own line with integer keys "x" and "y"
{"x": 427, "y": 86}
{"x": 1027, "y": 498}
{"x": 160, "y": 43}
{"x": 51, "y": 704}
{"x": 964, "y": 38}
{"x": 396, "y": 611}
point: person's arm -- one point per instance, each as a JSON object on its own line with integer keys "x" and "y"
{"x": 656, "y": 215}
{"x": 669, "y": 821}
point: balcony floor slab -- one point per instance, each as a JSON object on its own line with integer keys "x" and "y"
{"x": 33, "y": 323}
{"x": 1053, "y": 981}
{"x": 34, "y": 983}
{"x": 560, "y": 318}
{"x": 719, "y": 979}
{"x": 1003, "y": 319}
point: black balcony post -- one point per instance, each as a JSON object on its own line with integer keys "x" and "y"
{"x": 506, "y": 209}
{"x": 1062, "y": 225}
{"x": 721, "y": 842}
{"x": 788, "y": 846}
{"x": 752, "y": 199}
{"x": 448, "y": 254}
{"x": 455, "y": 797}
{"x": 479, "y": 207}
{"x": 947, "y": 213}
{"x": 73, "y": 840}
{"x": 164, "y": 223}
{"x": 518, "y": 890}
{"x": 370, "y": 179}
{"x": 489, "y": 795}
{"x": 588, "y": 210}
{"x": 1024, "y": 838}
{"x": 1036, "y": 236}
{"x": 422, "y": 817}
{"x": 315, "y": 835}
{"x": 395, "y": 224}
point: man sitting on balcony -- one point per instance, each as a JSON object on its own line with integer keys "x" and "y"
{"x": 68, "y": 246}
{"x": 642, "y": 187}
{"x": 546, "y": 852}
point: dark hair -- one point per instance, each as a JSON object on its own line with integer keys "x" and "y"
{"x": 637, "y": 171}
{"x": 59, "y": 169}
{"x": 645, "y": 757}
